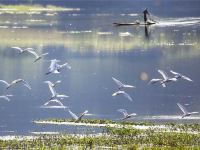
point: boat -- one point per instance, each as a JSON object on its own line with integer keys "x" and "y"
{"x": 134, "y": 23}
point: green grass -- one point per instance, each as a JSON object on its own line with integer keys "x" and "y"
{"x": 126, "y": 138}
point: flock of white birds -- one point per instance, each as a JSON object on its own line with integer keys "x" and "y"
{"x": 56, "y": 68}
{"x": 163, "y": 81}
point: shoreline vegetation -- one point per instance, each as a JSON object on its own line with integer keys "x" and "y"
{"x": 193, "y": 128}
{"x": 115, "y": 135}
{"x": 22, "y": 9}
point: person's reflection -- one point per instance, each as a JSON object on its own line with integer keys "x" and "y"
{"x": 147, "y": 32}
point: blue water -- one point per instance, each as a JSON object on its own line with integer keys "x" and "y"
{"x": 98, "y": 51}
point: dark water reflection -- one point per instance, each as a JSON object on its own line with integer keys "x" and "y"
{"x": 97, "y": 51}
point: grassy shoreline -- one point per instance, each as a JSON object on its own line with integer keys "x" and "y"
{"x": 195, "y": 127}
{"x": 125, "y": 137}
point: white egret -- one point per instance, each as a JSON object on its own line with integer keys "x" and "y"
{"x": 8, "y": 85}
{"x": 121, "y": 85}
{"x": 126, "y": 115}
{"x": 122, "y": 93}
{"x": 180, "y": 76}
{"x": 37, "y": 57}
{"x": 56, "y": 68}
{"x": 164, "y": 80}
{"x": 185, "y": 112}
{"x": 75, "y": 117}
{"x": 54, "y": 93}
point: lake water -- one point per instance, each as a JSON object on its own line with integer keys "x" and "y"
{"x": 97, "y": 51}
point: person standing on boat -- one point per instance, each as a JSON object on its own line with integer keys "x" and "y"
{"x": 145, "y": 12}
{"x": 147, "y": 19}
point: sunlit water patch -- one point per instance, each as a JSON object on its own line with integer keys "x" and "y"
{"x": 129, "y": 15}
{"x": 187, "y": 21}
{"x": 125, "y": 34}
{"x": 104, "y": 33}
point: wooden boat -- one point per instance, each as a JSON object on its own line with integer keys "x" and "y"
{"x": 134, "y": 23}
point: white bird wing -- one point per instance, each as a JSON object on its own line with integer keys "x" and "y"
{"x": 53, "y": 91}
{"x": 26, "y": 84}
{"x": 172, "y": 79}
{"x": 18, "y": 48}
{"x": 62, "y": 96}
{"x": 85, "y": 112}
{"x": 4, "y": 82}
{"x": 47, "y": 103}
{"x": 152, "y": 81}
{"x": 82, "y": 114}
{"x": 127, "y": 96}
{"x": 175, "y": 73}
{"x": 53, "y": 66}
{"x": 34, "y": 53}
{"x": 183, "y": 109}
{"x": 29, "y": 48}
{"x": 164, "y": 75}
{"x": 129, "y": 86}
{"x": 182, "y": 76}
{"x": 123, "y": 111}
{"x": 73, "y": 115}
{"x": 54, "y": 100}
{"x": 132, "y": 114}
{"x": 5, "y": 97}
{"x": 44, "y": 54}
{"x": 116, "y": 93}
{"x": 65, "y": 64}
{"x": 14, "y": 82}
{"x": 194, "y": 112}
{"x": 49, "y": 83}
{"x": 59, "y": 81}
{"x": 119, "y": 84}
{"x": 186, "y": 78}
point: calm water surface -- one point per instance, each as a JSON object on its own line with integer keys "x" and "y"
{"x": 98, "y": 51}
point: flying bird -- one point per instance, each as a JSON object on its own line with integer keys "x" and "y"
{"x": 75, "y": 117}
{"x": 56, "y": 68}
{"x": 121, "y": 85}
{"x": 185, "y": 112}
{"x": 124, "y": 94}
{"x": 37, "y": 57}
{"x": 8, "y": 85}
{"x": 6, "y": 97}
{"x": 164, "y": 80}
{"x": 54, "y": 93}
{"x": 20, "y": 50}
{"x": 126, "y": 115}
{"x": 54, "y": 101}
{"x": 180, "y": 76}
{"x": 53, "y": 66}
{"x": 60, "y": 104}
{"x": 52, "y": 84}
